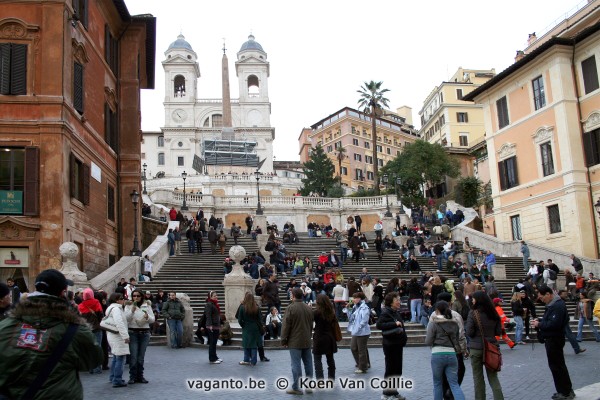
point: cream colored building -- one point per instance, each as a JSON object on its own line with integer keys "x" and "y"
{"x": 351, "y": 129}
{"x": 449, "y": 120}
{"x": 542, "y": 124}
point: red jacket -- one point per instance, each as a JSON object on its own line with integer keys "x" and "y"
{"x": 500, "y": 312}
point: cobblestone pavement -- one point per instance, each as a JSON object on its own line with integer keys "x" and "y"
{"x": 525, "y": 375}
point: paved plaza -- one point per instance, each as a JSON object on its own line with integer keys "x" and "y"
{"x": 525, "y": 375}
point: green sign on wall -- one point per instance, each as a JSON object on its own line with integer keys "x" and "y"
{"x": 11, "y": 202}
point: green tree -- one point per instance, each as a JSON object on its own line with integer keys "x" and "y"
{"x": 335, "y": 191}
{"x": 319, "y": 172}
{"x": 420, "y": 163}
{"x": 340, "y": 155}
{"x": 468, "y": 191}
{"x": 372, "y": 101}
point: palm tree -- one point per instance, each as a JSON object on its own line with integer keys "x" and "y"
{"x": 372, "y": 102}
{"x": 340, "y": 157}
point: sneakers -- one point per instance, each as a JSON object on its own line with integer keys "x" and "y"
{"x": 217, "y": 361}
{"x": 359, "y": 371}
{"x": 294, "y": 392}
{"x": 521, "y": 342}
{"x": 244, "y": 363}
{"x": 527, "y": 338}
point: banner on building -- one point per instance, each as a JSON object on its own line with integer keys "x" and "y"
{"x": 11, "y": 202}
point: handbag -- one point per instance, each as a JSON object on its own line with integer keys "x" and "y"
{"x": 394, "y": 331}
{"x": 492, "y": 357}
{"x": 337, "y": 331}
{"x": 109, "y": 325}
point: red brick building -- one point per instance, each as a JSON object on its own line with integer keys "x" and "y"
{"x": 70, "y": 131}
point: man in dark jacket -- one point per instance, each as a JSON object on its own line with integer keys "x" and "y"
{"x": 296, "y": 335}
{"x": 270, "y": 294}
{"x": 31, "y": 334}
{"x": 174, "y": 311}
{"x": 213, "y": 237}
{"x": 552, "y": 330}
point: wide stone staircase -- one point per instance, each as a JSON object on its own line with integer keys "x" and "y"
{"x": 197, "y": 274}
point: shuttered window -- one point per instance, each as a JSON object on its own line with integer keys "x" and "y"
{"x": 80, "y": 8}
{"x": 31, "y": 200}
{"x": 111, "y": 128}
{"x": 19, "y": 171}
{"x": 507, "y": 171}
{"x": 111, "y": 51}
{"x": 78, "y": 87}
{"x": 80, "y": 180}
{"x": 590, "y": 74}
{"x": 591, "y": 145}
{"x": 554, "y": 219}
{"x": 110, "y": 202}
{"x": 502, "y": 108}
{"x": 547, "y": 161}
{"x": 13, "y": 69}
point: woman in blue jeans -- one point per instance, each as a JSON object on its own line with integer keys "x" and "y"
{"x": 118, "y": 340}
{"x": 443, "y": 337}
{"x": 139, "y": 316}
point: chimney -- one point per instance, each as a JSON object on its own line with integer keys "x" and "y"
{"x": 520, "y": 55}
{"x": 532, "y": 38}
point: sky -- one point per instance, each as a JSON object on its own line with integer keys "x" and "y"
{"x": 321, "y": 52}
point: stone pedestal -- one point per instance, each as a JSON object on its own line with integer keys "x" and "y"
{"x": 260, "y": 221}
{"x": 261, "y": 242}
{"x": 499, "y": 271}
{"x": 188, "y": 322}
{"x": 389, "y": 223}
{"x": 236, "y": 283}
{"x": 69, "y": 252}
{"x": 404, "y": 220}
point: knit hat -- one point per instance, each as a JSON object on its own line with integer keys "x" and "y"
{"x": 88, "y": 294}
{"x": 52, "y": 282}
{"x": 4, "y": 290}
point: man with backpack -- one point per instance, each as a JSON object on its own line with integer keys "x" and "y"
{"x": 550, "y": 276}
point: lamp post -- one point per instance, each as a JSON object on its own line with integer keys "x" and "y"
{"x": 384, "y": 179}
{"x": 144, "y": 178}
{"x": 398, "y": 182}
{"x": 135, "y": 198}
{"x": 259, "y": 210}
{"x": 184, "y": 206}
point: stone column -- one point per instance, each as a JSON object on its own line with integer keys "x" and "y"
{"x": 236, "y": 283}
{"x": 69, "y": 252}
{"x": 499, "y": 272}
{"x": 260, "y": 221}
{"x": 389, "y": 223}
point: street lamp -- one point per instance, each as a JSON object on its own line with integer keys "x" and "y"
{"x": 259, "y": 210}
{"x": 384, "y": 179}
{"x": 135, "y": 198}
{"x": 398, "y": 183}
{"x": 184, "y": 206}
{"x": 144, "y": 178}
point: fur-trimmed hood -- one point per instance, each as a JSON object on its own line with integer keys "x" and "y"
{"x": 45, "y": 311}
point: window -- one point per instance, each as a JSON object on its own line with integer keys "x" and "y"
{"x": 329, "y": 148}
{"x": 380, "y": 162}
{"x": 180, "y": 161}
{"x": 217, "y": 121}
{"x": 368, "y": 159}
{"x": 590, "y": 74}
{"x": 19, "y": 171}
{"x": 502, "y": 108}
{"x": 370, "y": 175}
{"x": 507, "y": 170}
{"x": 547, "y": 161}
{"x": 554, "y": 218}
{"x": 111, "y": 50}
{"x": 355, "y": 142}
{"x": 344, "y": 171}
{"x": 463, "y": 140}
{"x": 13, "y": 69}
{"x": 161, "y": 158}
{"x": 80, "y": 8}
{"x": 111, "y": 128}
{"x": 358, "y": 174}
{"x": 591, "y": 144}
{"x": 367, "y": 145}
{"x": 459, "y": 94}
{"x": 442, "y": 120}
{"x": 338, "y": 145}
{"x": 161, "y": 141}
{"x": 462, "y": 117}
{"x": 539, "y": 96}
{"x": 441, "y": 97}
{"x": 78, "y": 87}
{"x": 179, "y": 86}
{"x": 80, "y": 180}
{"x": 110, "y": 203}
{"x": 388, "y": 150}
{"x": 379, "y": 148}
{"x": 357, "y": 157}
{"x": 515, "y": 223}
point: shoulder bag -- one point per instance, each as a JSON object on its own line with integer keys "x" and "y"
{"x": 492, "y": 357}
{"x": 108, "y": 324}
{"x": 337, "y": 331}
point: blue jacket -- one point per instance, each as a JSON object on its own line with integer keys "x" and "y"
{"x": 490, "y": 259}
{"x": 358, "y": 320}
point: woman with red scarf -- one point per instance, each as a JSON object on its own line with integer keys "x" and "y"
{"x": 91, "y": 310}
{"x": 212, "y": 314}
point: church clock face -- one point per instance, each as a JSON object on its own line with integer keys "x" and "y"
{"x": 179, "y": 115}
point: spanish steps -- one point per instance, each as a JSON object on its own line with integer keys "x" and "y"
{"x": 197, "y": 274}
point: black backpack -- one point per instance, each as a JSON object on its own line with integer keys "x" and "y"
{"x": 552, "y": 274}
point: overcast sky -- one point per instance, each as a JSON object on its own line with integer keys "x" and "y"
{"x": 321, "y": 52}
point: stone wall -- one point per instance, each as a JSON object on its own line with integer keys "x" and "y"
{"x": 151, "y": 228}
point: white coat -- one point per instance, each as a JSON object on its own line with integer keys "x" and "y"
{"x": 117, "y": 340}
{"x": 136, "y": 319}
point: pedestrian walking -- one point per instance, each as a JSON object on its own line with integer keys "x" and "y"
{"x": 358, "y": 327}
{"x": 324, "y": 337}
{"x": 139, "y": 316}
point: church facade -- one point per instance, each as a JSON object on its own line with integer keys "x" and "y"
{"x": 212, "y": 135}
